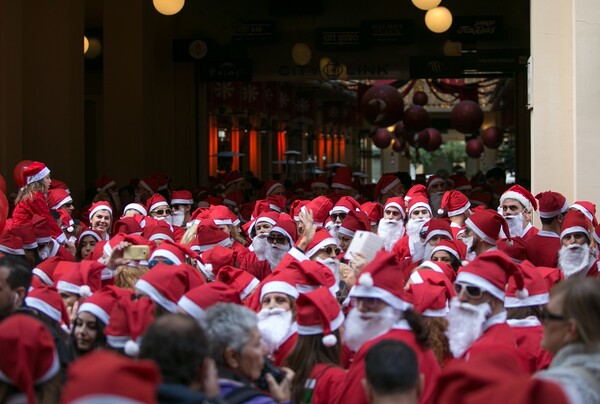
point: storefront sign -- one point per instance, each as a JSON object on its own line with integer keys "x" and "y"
{"x": 389, "y": 31}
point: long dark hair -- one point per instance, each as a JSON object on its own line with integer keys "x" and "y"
{"x": 308, "y": 352}
{"x": 415, "y": 320}
{"x": 99, "y": 343}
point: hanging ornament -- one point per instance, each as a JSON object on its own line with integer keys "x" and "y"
{"x": 420, "y": 98}
{"x": 466, "y": 116}
{"x": 434, "y": 140}
{"x": 382, "y": 105}
{"x": 416, "y": 118}
{"x": 492, "y": 137}
{"x": 381, "y": 138}
{"x": 474, "y": 148}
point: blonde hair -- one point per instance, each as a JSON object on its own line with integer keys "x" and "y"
{"x": 127, "y": 276}
{"x": 189, "y": 234}
{"x": 26, "y": 193}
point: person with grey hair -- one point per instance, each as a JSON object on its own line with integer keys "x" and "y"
{"x": 236, "y": 346}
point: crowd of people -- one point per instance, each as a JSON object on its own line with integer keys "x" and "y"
{"x": 253, "y": 292}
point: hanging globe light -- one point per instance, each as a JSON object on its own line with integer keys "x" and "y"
{"x": 438, "y": 19}
{"x": 168, "y": 7}
{"x": 86, "y": 44}
{"x": 426, "y": 4}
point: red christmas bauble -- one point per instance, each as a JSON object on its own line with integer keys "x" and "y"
{"x": 398, "y": 145}
{"x": 399, "y": 130}
{"x": 416, "y": 118}
{"x": 435, "y": 140}
{"x": 419, "y": 139}
{"x": 474, "y": 148}
{"x": 382, "y": 138}
{"x": 18, "y": 172}
{"x": 466, "y": 116}
{"x": 382, "y": 105}
{"x": 492, "y": 137}
{"x": 420, "y": 98}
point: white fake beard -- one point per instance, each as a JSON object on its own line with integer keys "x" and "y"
{"x": 259, "y": 245}
{"x": 574, "y": 260}
{"x": 274, "y": 254}
{"x": 417, "y": 249}
{"x": 362, "y": 327}
{"x": 414, "y": 226}
{"x": 515, "y": 225}
{"x": 273, "y": 326}
{"x": 427, "y": 251}
{"x": 334, "y": 265}
{"x": 44, "y": 252}
{"x": 435, "y": 201}
{"x": 334, "y": 229}
{"x": 390, "y": 231}
{"x": 465, "y": 324}
{"x": 178, "y": 216}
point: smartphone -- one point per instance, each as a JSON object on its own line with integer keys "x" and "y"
{"x": 137, "y": 252}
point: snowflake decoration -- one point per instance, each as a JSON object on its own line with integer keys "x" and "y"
{"x": 302, "y": 105}
{"x": 284, "y": 99}
{"x": 250, "y": 93}
{"x": 224, "y": 90}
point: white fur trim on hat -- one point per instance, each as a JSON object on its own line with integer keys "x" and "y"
{"x": 272, "y": 187}
{"x": 458, "y": 211}
{"x": 191, "y": 308}
{"x": 436, "y": 312}
{"x": 476, "y": 280}
{"x": 516, "y": 196}
{"x": 346, "y": 232}
{"x": 39, "y": 176}
{"x": 420, "y": 205}
{"x": 449, "y": 250}
{"x": 315, "y": 329}
{"x": 63, "y": 286}
{"x": 44, "y": 307}
{"x": 380, "y": 293}
{"x": 158, "y": 204}
{"x": 226, "y": 242}
{"x": 105, "y": 187}
{"x": 438, "y": 232}
{"x": 182, "y": 201}
{"x": 14, "y": 251}
{"x": 322, "y": 244}
{"x": 391, "y": 185}
{"x": 96, "y": 311}
{"x": 155, "y": 295}
{"x": 278, "y": 287}
{"x": 533, "y": 300}
{"x": 161, "y": 236}
{"x": 98, "y": 208}
{"x": 553, "y": 213}
{"x": 416, "y": 278}
{"x": 340, "y": 185}
{"x": 433, "y": 266}
{"x": 43, "y": 276}
{"x": 397, "y": 206}
{"x": 574, "y": 229}
{"x": 249, "y": 288}
{"x": 165, "y": 254}
{"x": 583, "y": 210}
{"x": 63, "y": 201}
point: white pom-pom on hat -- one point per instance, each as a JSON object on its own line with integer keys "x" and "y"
{"x": 70, "y": 229}
{"x": 522, "y": 294}
{"x": 209, "y": 268}
{"x": 329, "y": 340}
{"x": 441, "y": 211}
{"x": 132, "y": 348}
{"x": 85, "y": 291}
{"x": 366, "y": 280}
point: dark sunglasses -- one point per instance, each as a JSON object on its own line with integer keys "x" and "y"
{"x": 152, "y": 263}
{"x": 474, "y": 292}
{"x": 277, "y": 240}
{"x": 336, "y": 216}
{"x": 549, "y": 316}
{"x": 162, "y": 211}
{"x": 330, "y": 250}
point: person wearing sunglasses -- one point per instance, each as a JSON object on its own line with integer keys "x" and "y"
{"x": 571, "y": 323}
{"x": 158, "y": 207}
{"x": 477, "y": 318}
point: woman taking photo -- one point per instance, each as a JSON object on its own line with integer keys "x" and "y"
{"x": 239, "y": 353}
{"x": 317, "y": 355}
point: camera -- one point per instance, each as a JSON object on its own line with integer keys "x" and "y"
{"x": 276, "y": 372}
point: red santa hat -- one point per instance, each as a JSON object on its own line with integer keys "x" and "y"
{"x": 342, "y": 178}
{"x": 486, "y": 224}
{"x": 129, "y": 225}
{"x": 295, "y": 208}
{"x": 182, "y": 197}
{"x": 238, "y": 279}
{"x": 461, "y": 182}
{"x": 270, "y": 186}
{"x": 58, "y": 197}
{"x": 491, "y": 272}
{"x": 587, "y": 208}
{"x": 80, "y": 278}
{"x": 43, "y": 231}
{"x": 308, "y": 275}
{"x": 321, "y": 240}
{"x": 165, "y": 284}
{"x": 101, "y": 303}
{"x": 345, "y": 204}
{"x": 379, "y": 280}
{"x": 218, "y": 257}
{"x": 57, "y": 184}
{"x": 209, "y": 235}
{"x": 103, "y": 376}
{"x": 156, "y": 201}
{"x": 197, "y": 300}
{"x": 418, "y": 201}
{"x": 319, "y": 182}
{"x": 234, "y": 199}
{"x": 174, "y": 252}
{"x": 398, "y": 203}
{"x": 575, "y": 222}
{"x": 11, "y": 244}
{"x": 385, "y": 183}
{"x": 129, "y": 320}
{"x": 454, "y": 203}
{"x": 269, "y": 217}
{"x": 286, "y": 226}
{"x": 46, "y": 300}
{"x": 520, "y": 194}
{"x": 35, "y": 172}
{"x": 516, "y": 248}
{"x": 320, "y": 207}
{"x": 154, "y": 233}
{"x": 232, "y": 177}
{"x": 438, "y": 227}
{"x": 277, "y": 282}
{"x": 318, "y": 312}
{"x": 100, "y": 205}
{"x": 104, "y": 182}
{"x": 434, "y": 179}
{"x": 450, "y": 247}
{"x": 66, "y": 222}
{"x": 29, "y": 354}
{"x": 430, "y": 292}
{"x": 536, "y": 286}
{"x": 374, "y": 211}
{"x": 221, "y": 215}
{"x": 43, "y": 273}
{"x": 596, "y": 234}
{"x": 439, "y": 267}
{"x": 354, "y": 221}
{"x": 138, "y": 207}
{"x": 276, "y": 202}
{"x": 26, "y": 233}
{"x": 551, "y": 204}
{"x": 481, "y": 199}
{"x": 551, "y": 275}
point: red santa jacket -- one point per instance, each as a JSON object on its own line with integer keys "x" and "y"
{"x": 529, "y": 231}
{"x": 318, "y": 387}
{"x": 281, "y": 353}
{"x": 542, "y": 249}
{"x": 25, "y": 210}
{"x": 528, "y": 335}
{"x": 351, "y": 386}
{"x": 402, "y": 248}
